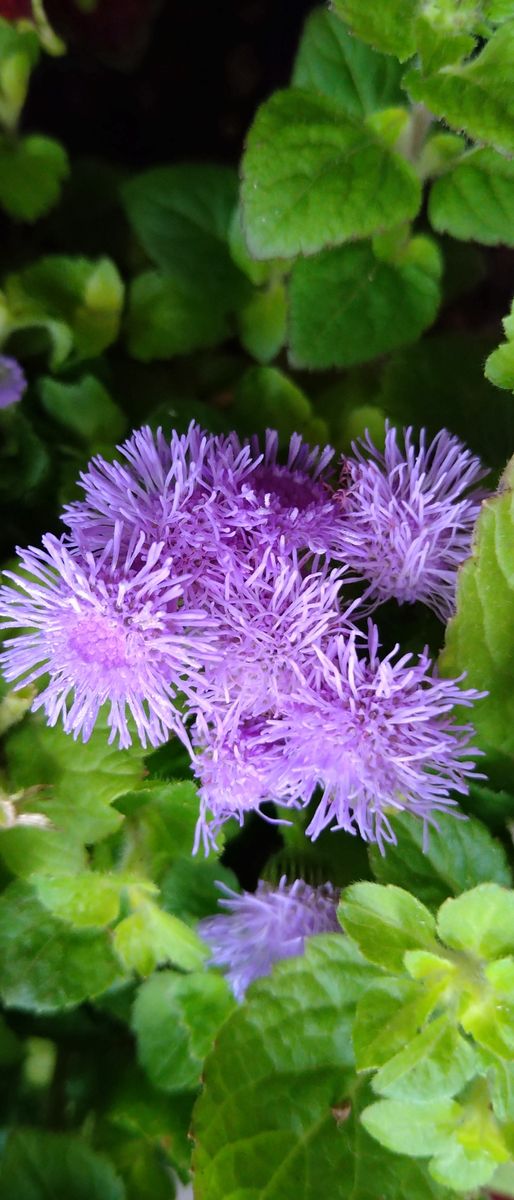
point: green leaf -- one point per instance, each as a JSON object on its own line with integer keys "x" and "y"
{"x": 181, "y": 215}
{"x": 333, "y": 63}
{"x": 389, "y": 1014}
{"x": 385, "y": 922}
{"x": 77, "y": 302}
{"x": 265, "y": 398}
{"x": 166, "y": 317}
{"x": 279, "y": 1114}
{"x": 24, "y": 460}
{"x": 420, "y": 1129}
{"x": 480, "y": 637}
{"x": 475, "y": 96}
{"x": 499, "y": 11}
{"x": 161, "y": 822}
{"x": 388, "y": 27}
{"x": 448, "y": 860}
{"x": 465, "y": 1142}
{"x": 176, "y": 1018}
{"x": 31, "y": 173}
{"x": 435, "y": 1065}
{"x": 84, "y": 407}
{"x": 499, "y": 367}
{"x": 150, "y": 937}
{"x": 84, "y": 778}
{"x": 141, "y": 1165}
{"x": 151, "y": 1117}
{"x": 313, "y": 176}
{"x": 85, "y": 900}
{"x": 480, "y": 921}
{"x": 45, "y": 965}
{"x": 474, "y": 200}
{"x": 189, "y": 888}
{"x": 38, "y": 1165}
{"x": 489, "y": 1016}
{"x": 262, "y": 322}
{"x": 26, "y": 850}
{"x": 19, "y": 53}
{"x": 347, "y": 306}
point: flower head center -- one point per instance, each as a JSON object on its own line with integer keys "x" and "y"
{"x": 95, "y": 638}
{"x": 292, "y": 489}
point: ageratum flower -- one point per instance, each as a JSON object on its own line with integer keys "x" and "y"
{"x": 107, "y": 630}
{"x": 377, "y": 736}
{"x": 268, "y": 623}
{"x": 12, "y": 381}
{"x": 151, "y": 491}
{"x": 209, "y": 496}
{"x": 407, "y": 517}
{"x": 292, "y": 501}
{"x": 260, "y": 928}
{"x": 238, "y": 771}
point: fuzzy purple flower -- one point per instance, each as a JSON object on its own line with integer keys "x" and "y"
{"x": 209, "y": 496}
{"x": 377, "y": 736}
{"x": 407, "y": 517}
{"x": 268, "y": 624}
{"x": 107, "y": 630}
{"x": 151, "y": 491}
{"x": 12, "y": 381}
{"x": 238, "y": 772}
{"x": 262, "y": 927}
{"x": 292, "y": 501}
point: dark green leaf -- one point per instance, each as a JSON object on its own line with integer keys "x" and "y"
{"x": 176, "y": 1018}
{"x": 347, "y": 306}
{"x": 182, "y": 215}
{"x": 84, "y": 407}
{"x": 31, "y": 173}
{"x": 441, "y": 862}
{"x": 37, "y": 1165}
{"x": 333, "y": 63}
{"x": 475, "y": 199}
{"x": 262, "y": 322}
{"x": 167, "y": 317}
{"x": 266, "y": 399}
{"x": 44, "y": 965}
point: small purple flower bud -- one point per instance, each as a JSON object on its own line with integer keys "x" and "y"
{"x": 12, "y": 381}
{"x": 262, "y": 927}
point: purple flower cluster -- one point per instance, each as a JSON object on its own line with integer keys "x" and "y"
{"x": 260, "y": 928}
{"x": 200, "y": 590}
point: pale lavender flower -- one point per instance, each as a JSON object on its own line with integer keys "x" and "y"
{"x": 378, "y": 737}
{"x": 292, "y": 501}
{"x": 260, "y": 928}
{"x": 238, "y": 771}
{"x": 209, "y": 497}
{"x": 107, "y": 630}
{"x": 12, "y": 381}
{"x": 150, "y": 490}
{"x": 407, "y": 517}
{"x": 268, "y": 624}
